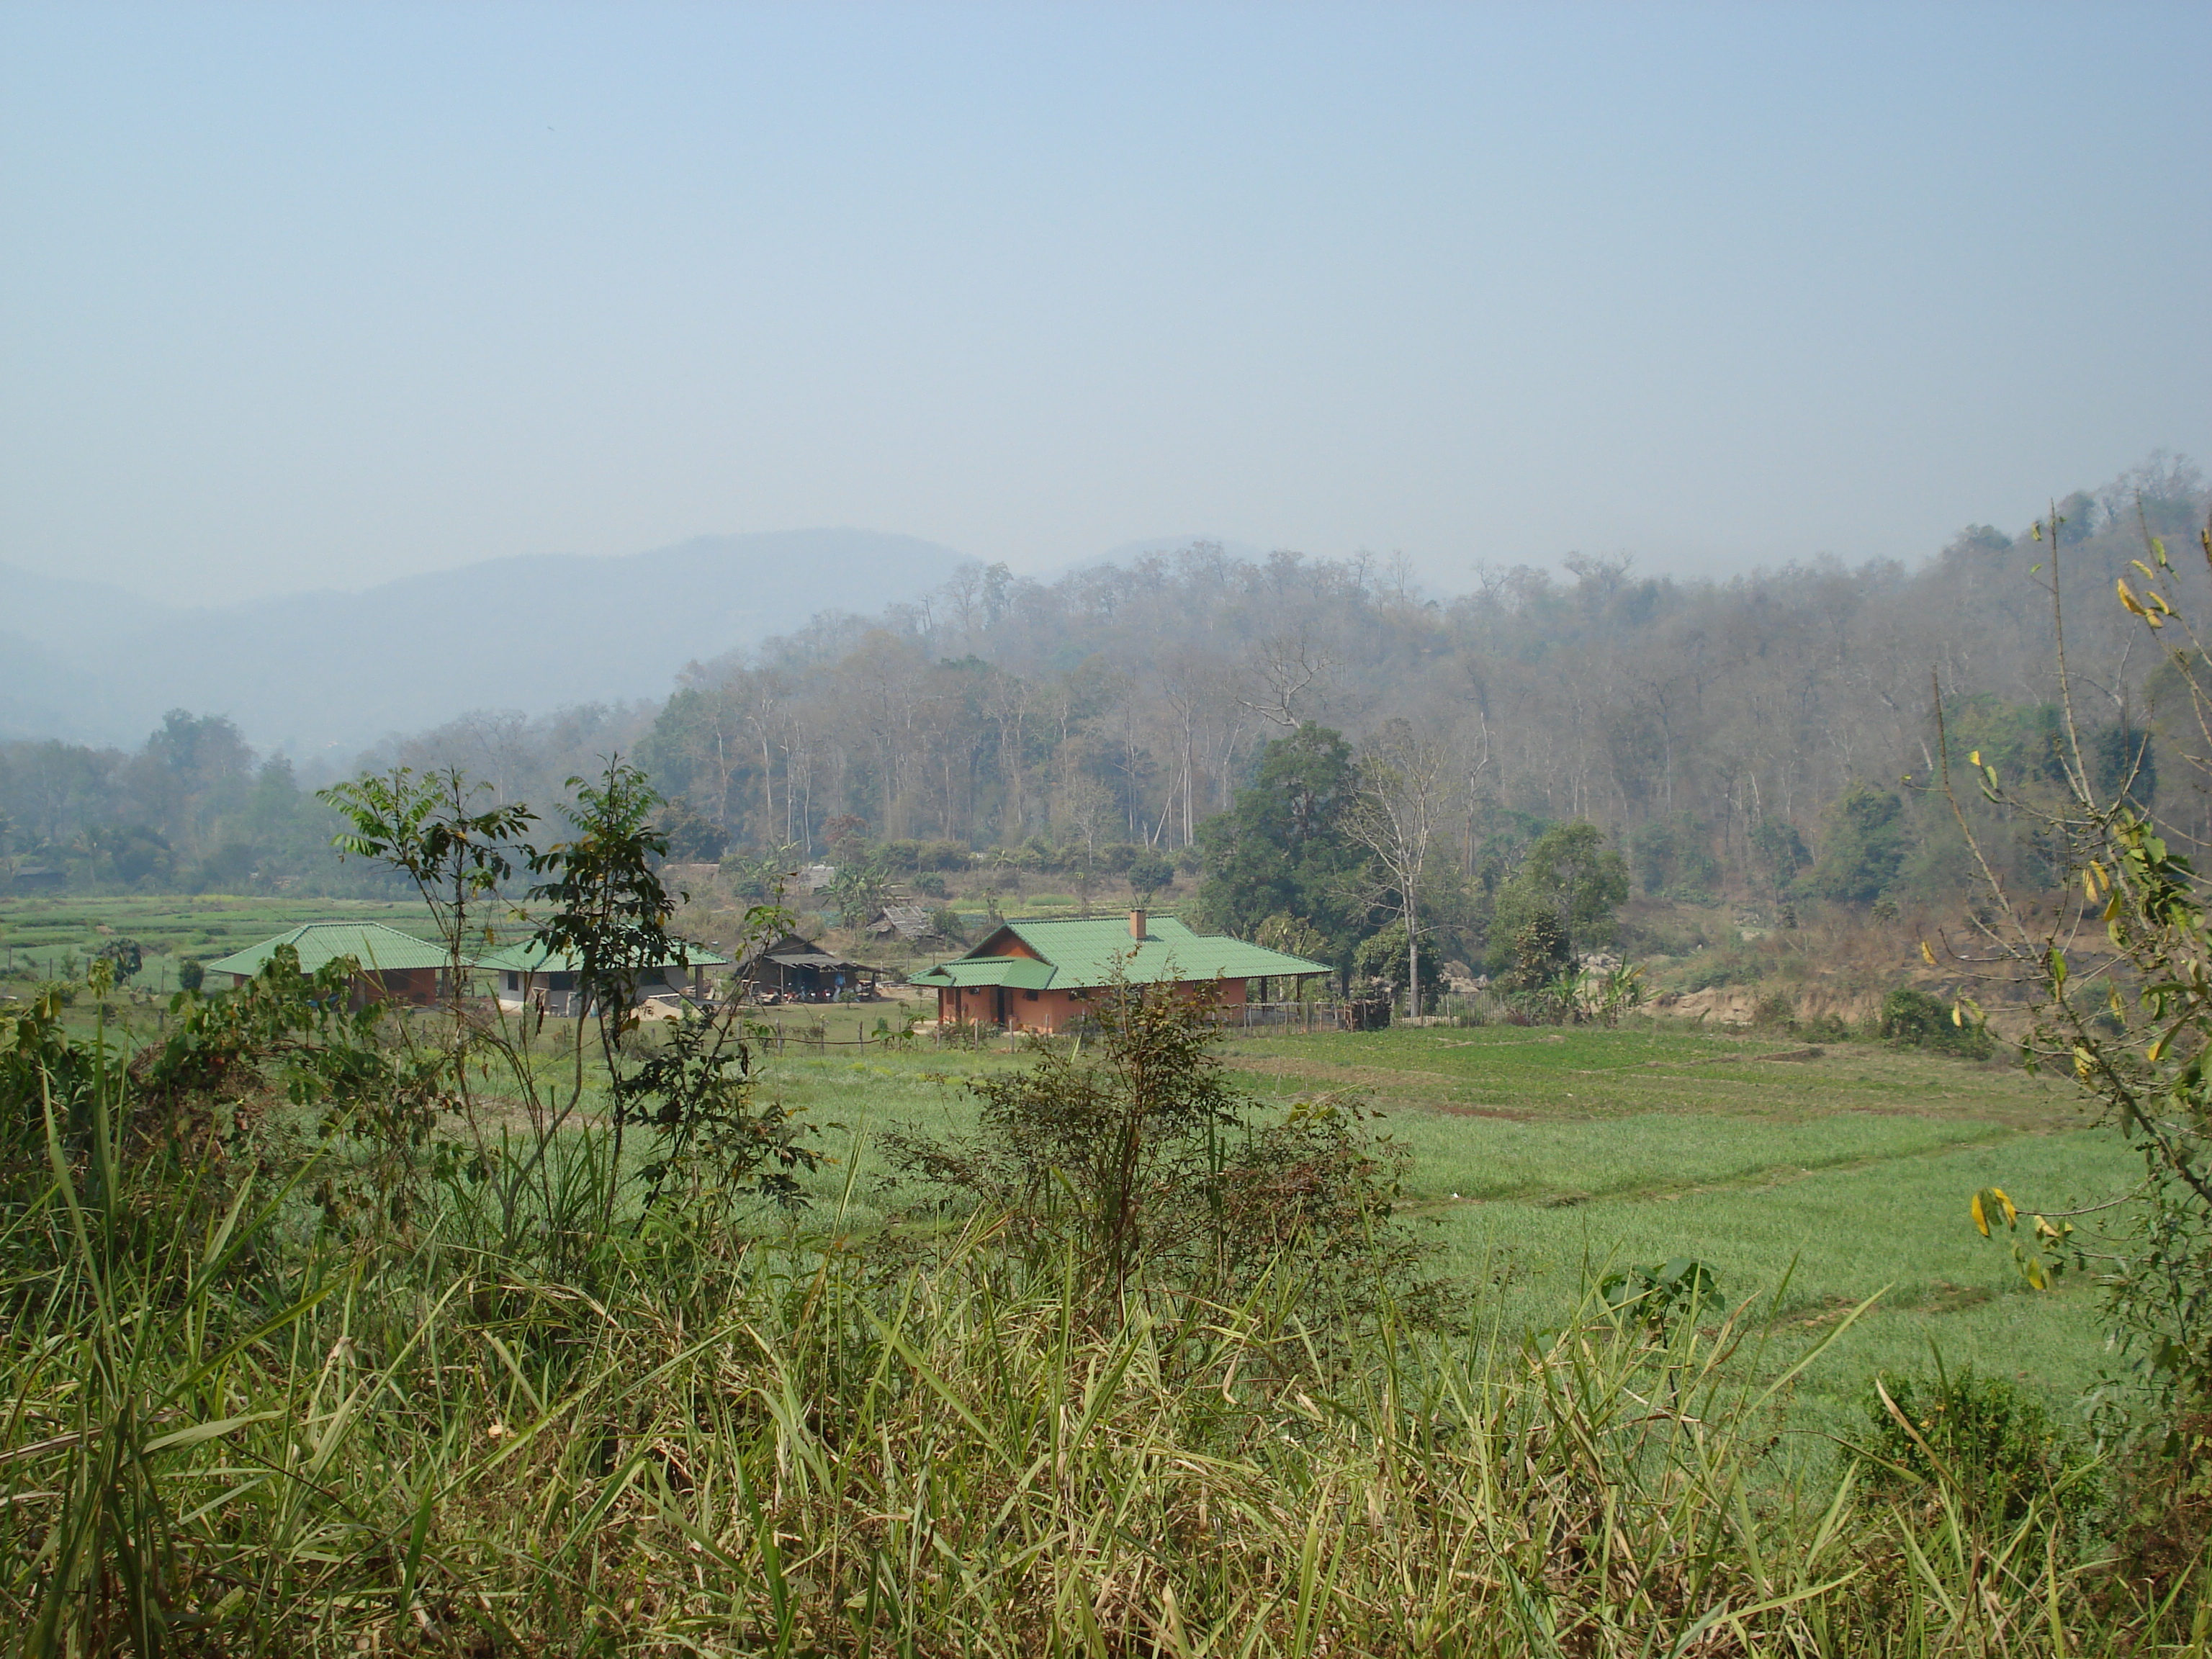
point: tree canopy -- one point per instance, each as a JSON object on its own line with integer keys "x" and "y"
{"x": 1284, "y": 852}
{"x": 1570, "y": 880}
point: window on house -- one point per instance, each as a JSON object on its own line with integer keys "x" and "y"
{"x": 1028, "y": 996}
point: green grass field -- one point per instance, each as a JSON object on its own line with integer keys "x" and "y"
{"x": 1539, "y": 1158}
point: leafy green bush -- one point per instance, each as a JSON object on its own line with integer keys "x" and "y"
{"x": 906, "y": 858}
{"x": 1380, "y": 961}
{"x": 930, "y": 885}
{"x": 1656, "y": 1295}
{"x": 127, "y": 955}
{"x": 1914, "y": 1019}
{"x": 1535, "y": 954}
{"x": 1148, "y": 872}
{"x": 1863, "y": 844}
{"x": 944, "y": 855}
{"x": 1979, "y": 1437}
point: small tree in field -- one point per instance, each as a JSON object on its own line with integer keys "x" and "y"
{"x": 602, "y": 904}
{"x": 1566, "y": 891}
{"x": 430, "y": 829}
{"x": 1139, "y": 1156}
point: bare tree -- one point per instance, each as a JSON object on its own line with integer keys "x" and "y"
{"x": 1285, "y": 666}
{"x": 1405, "y": 789}
{"x": 1005, "y": 703}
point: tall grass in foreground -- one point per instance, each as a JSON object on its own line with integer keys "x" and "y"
{"x": 221, "y": 1438}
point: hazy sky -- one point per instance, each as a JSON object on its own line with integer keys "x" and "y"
{"x": 312, "y": 295}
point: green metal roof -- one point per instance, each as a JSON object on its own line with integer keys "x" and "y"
{"x": 371, "y": 944}
{"x": 529, "y": 956}
{"x": 1087, "y": 953}
{"x": 1021, "y": 973}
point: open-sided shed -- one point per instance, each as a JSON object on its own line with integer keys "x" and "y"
{"x": 795, "y": 968}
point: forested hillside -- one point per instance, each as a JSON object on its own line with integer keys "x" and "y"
{"x": 1735, "y": 736}
{"x": 1730, "y": 733}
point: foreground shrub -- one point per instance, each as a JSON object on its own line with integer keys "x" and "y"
{"x": 1978, "y": 1437}
{"x": 1129, "y": 1154}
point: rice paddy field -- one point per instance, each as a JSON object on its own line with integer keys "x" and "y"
{"x": 1542, "y": 1159}
{"x": 40, "y": 937}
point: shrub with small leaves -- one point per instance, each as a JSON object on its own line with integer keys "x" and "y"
{"x": 1979, "y": 1437}
{"x": 1136, "y": 1159}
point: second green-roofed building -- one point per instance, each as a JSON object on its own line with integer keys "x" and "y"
{"x": 1040, "y": 975}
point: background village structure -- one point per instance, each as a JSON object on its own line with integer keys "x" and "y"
{"x": 1038, "y": 975}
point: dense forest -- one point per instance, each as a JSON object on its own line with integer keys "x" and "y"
{"x": 195, "y": 810}
{"x": 1771, "y": 734}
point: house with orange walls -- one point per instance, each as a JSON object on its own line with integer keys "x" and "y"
{"x": 1040, "y": 975}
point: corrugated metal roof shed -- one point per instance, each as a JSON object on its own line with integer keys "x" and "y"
{"x": 371, "y": 944}
{"x": 796, "y": 949}
{"x": 906, "y": 921}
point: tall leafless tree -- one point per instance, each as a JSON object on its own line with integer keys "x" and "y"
{"x": 1404, "y": 786}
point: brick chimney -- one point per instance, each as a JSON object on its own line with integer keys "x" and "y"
{"x": 1136, "y": 926}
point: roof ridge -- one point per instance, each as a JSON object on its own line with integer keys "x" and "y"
{"x": 1115, "y": 919}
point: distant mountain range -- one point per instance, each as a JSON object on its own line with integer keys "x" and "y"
{"x": 327, "y": 673}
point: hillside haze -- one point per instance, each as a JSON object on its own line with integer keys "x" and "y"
{"x": 324, "y": 673}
